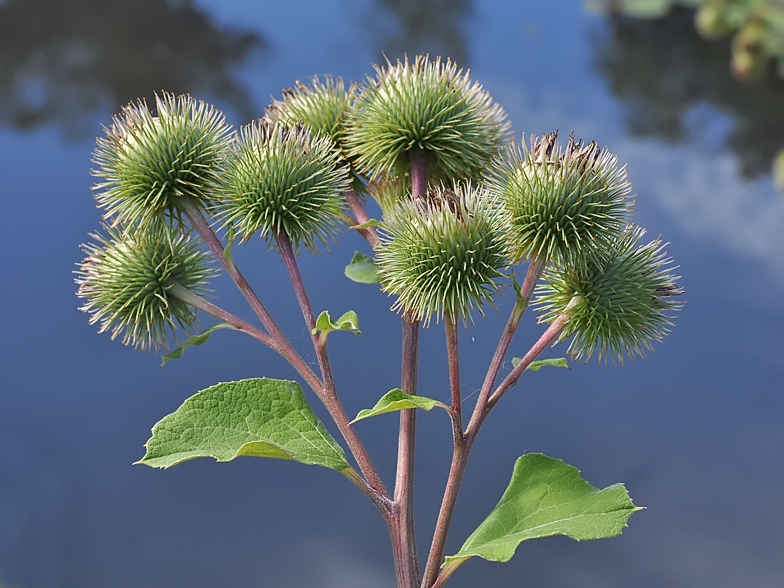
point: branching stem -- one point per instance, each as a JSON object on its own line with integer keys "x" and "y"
{"x": 359, "y": 213}
{"x": 328, "y": 394}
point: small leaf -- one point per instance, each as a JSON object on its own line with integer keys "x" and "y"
{"x": 196, "y": 340}
{"x": 546, "y": 497}
{"x": 398, "y": 400}
{"x": 371, "y": 223}
{"x": 231, "y": 235}
{"x": 260, "y": 416}
{"x": 535, "y": 365}
{"x": 521, "y": 302}
{"x": 348, "y": 322}
{"x": 362, "y": 269}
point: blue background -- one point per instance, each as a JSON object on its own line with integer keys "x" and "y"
{"x": 696, "y": 431}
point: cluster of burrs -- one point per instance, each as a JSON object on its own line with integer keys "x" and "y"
{"x": 461, "y": 206}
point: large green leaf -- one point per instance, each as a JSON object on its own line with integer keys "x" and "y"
{"x": 347, "y": 322}
{"x": 546, "y": 497}
{"x": 196, "y": 340}
{"x": 540, "y": 363}
{"x": 362, "y": 269}
{"x": 398, "y": 400}
{"x": 260, "y": 416}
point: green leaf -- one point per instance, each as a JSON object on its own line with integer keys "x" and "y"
{"x": 348, "y": 322}
{"x": 196, "y": 340}
{"x": 371, "y": 223}
{"x": 398, "y": 400}
{"x": 260, "y": 416}
{"x": 231, "y": 235}
{"x": 362, "y": 269}
{"x": 546, "y": 497}
{"x": 535, "y": 365}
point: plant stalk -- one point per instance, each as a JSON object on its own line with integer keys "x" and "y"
{"x": 535, "y": 269}
{"x": 369, "y": 234}
{"x": 404, "y": 540}
{"x": 194, "y": 215}
{"x": 453, "y": 355}
{"x": 546, "y": 339}
{"x": 328, "y": 394}
{"x": 463, "y": 449}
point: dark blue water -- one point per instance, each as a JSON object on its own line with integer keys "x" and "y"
{"x": 696, "y": 431}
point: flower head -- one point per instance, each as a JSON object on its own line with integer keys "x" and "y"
{"x": 321, "y": 106}
{"x": 148, "y": 162}
{"x": 441, "y": 254}
{"x": 430, "y": 105}
{"x": 126, "y": 283}
{"x": 564, "y": 203}
{"x": 624, "y": 302}
{"x": 281, "y": 178}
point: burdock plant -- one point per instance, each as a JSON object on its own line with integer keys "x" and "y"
{"x": 460, "y": 211}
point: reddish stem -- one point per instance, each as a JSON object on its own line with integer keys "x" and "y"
{"x": 404, "y": 541}
{"x": 329, "y": 393}
{"x": 453, "y": 355}
{"x": 359, "y": 213}
{"x": 282, "y": 345}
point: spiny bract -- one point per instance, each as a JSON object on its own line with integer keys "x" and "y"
{"x": 281, "y": 178}
{"x": 624, "y": 302}
{"x": 429, "y": 105}
{"x": 149, "y": 161}
{"x": 321, "y": 106}
{"x": 564, "y": 204}
{"x": 442, "y": 253}
{"x": 126, "y": 283}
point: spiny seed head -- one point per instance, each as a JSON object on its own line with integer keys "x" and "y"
{"x": 624, "y": 301}
{"x": 126, "y": 283}
{"x": 147, "y": 162}
{"x": 321, "y": 106}
{"x": 281, "y": 178}
{"x": 564, "y": 203}
{"x": 442, "y": 254}
{"x": 430, "y": 105}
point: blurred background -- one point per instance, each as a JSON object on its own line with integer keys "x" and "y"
{"x": 689, "y": 101}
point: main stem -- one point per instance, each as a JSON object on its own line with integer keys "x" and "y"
{"x": 329, "y": 392}
{"x": 403, "y": 538}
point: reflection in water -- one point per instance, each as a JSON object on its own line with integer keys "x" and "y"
{"x": 662, "y": 69}
{"x": 427, "y": 26}
{"x": 62, "y": 61}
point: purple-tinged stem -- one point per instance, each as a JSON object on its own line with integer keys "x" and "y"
{"x": 403, "y": 541}
{"x": 216, "y": 311}
{"x": 535, "y": 269}
{"x": 453, "y": 355}
{"x": 359, "y": 213}
{"x": 432, "y": 576}
{"x": 328, "y": 393}
{"x": 419, "y": 159}
{"x": 546, "y": 339}
{"x": 283, "y": 346}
